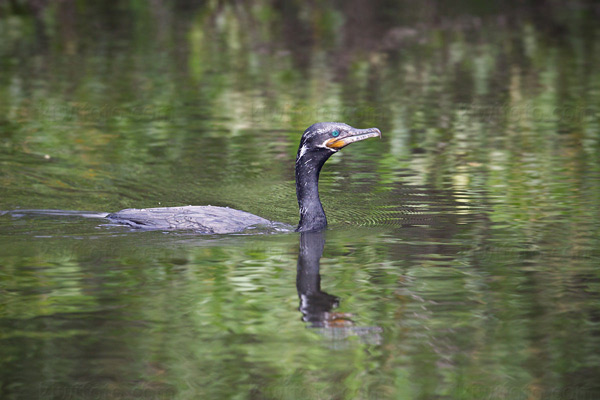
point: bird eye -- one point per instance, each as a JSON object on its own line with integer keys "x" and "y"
{"x": 335, "y": 133}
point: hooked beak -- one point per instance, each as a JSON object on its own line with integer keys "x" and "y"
{"x": 352, "y": 136}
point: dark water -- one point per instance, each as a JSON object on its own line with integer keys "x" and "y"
{"x": 461, "y": 260}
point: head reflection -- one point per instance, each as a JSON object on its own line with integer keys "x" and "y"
{"x": 316, "y": 305}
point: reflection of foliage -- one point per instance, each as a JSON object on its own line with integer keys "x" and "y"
{"x": 490, "y": 155}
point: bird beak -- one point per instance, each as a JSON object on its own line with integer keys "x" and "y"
{"x": 355, "y": 135}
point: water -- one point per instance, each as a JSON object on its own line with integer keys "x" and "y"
{"x": 461, "y": 260}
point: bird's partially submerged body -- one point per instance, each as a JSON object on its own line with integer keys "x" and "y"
{"x": 200, "y": 219}
{"x": 318, "y": 143}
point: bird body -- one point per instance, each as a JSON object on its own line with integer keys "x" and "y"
{"x": 318, "y": 143}
{"x": 200, "y": 219}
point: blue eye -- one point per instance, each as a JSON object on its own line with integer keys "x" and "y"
{"x": 335, "y": 133}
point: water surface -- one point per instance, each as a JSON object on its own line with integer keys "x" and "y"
{"x": 461, "y": 260}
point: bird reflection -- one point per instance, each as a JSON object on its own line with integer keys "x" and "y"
{"x": 315, "y": 305}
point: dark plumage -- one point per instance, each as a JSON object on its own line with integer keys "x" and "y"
{"x": 317, "y": 144}
{"x": 201, "y": 219}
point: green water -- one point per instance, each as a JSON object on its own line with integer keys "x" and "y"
{"x": 461, "y": 260}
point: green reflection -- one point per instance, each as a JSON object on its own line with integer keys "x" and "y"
{"x": 468, "y": 235}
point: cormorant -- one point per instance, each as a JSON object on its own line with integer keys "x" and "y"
{"x": 317, "y": 144}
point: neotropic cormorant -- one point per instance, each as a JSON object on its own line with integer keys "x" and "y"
{"x": 318, "y": 143}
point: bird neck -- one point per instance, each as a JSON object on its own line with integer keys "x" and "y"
{"x": 312, "y": 215}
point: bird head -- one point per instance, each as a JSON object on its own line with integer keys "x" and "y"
{"x": 327, "y": 138}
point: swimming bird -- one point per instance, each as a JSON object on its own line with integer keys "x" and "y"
{"x": 318, "y": 143}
